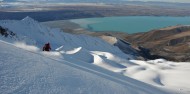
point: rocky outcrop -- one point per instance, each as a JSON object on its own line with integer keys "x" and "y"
{"x": 180, "y": 40}
{"x": 5, "y": 32}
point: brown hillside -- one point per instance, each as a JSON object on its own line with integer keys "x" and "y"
{"x": 172, "y": 43}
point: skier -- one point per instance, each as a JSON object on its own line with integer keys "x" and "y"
{"x": 47, "y": 47}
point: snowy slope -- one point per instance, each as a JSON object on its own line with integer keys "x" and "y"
{"x": 79, "y": 64}
{"x": 24, "y": 72}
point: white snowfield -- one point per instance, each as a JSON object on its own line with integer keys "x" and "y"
{"x": 27, "y": 72}
{"x": 80, "y": 64}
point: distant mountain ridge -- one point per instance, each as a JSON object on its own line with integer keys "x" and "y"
{"x": 103, "y": 1}
{"x": 66, "y": 1}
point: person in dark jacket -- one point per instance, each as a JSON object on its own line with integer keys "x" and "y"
{"x": 47, "y": 47}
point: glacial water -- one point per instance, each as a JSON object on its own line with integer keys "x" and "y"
{"x": 130, "y": 24}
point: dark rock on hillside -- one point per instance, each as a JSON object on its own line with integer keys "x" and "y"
{"x": 5, "y": 32}
{"x": 180, "y": 40}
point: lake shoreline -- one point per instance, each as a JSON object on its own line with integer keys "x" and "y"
{"x": 130, "y": 24}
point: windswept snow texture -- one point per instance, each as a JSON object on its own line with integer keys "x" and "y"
{"x": 26, "y": 72}
{"x": 79, "y": 64}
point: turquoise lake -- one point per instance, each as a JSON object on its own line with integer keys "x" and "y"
{"x": 130, "y": 24}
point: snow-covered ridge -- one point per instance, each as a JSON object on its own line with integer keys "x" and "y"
{"x": 33, "y": 33}
{"x": 85, "y": 62}
{"x": 30, "y": 32}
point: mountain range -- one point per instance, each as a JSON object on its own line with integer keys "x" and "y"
{"x": 66, "y": 1}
